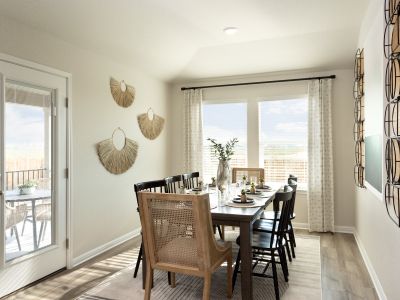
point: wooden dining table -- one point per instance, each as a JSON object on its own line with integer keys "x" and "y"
{"x": 243, "y": 218}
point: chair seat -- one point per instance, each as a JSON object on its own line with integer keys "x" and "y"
{"x": 172, "y": 252}
{"x": 266, "y": 225}
{"x": 270, "y": 215}
{"x": 262, "y": 240}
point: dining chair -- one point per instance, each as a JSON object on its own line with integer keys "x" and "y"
{"x": 173, "y": 183}
{"x": 266, "y": 218}
{"x": 238, "y": 173}
{"x": 178, "y": 237}
{"x": 268, "y": 247}
{"x": 43, "y": 215}
{"x": 150, "y": 186}
{"x": 13, "y": 216}
{"x": 191, "y": 180}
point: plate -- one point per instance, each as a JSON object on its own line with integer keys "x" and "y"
{"x": 256, "y": 193}
{"x": 248, "y": 201}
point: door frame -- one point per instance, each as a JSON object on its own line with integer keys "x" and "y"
{"x": 68, "y": 76}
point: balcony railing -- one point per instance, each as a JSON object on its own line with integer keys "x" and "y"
{"x": 15, "y": 178}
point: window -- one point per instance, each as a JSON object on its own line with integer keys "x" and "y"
{"x": 283, "y": 139}
{"x": 224, "y": 122}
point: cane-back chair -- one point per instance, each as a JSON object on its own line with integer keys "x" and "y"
{"x": 13, "y": 216}
{"x": 178, "y": 237}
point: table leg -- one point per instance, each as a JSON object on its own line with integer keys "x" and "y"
{"x": 35, "y": 241}
{"x": 246, "y": 260}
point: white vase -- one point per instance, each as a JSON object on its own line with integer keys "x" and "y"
{"x": 223, "y": 175}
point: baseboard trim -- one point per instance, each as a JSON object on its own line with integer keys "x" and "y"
{"x": 370, "y": 268}
{"x": 105, "y": 247}
{"x": 344, "y": 229}
{"x": 300, "y": 225}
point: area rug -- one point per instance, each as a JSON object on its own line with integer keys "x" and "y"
{"x": 304, "y": 280}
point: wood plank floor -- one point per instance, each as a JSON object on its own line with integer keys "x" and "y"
{"x": 344, "y": 275}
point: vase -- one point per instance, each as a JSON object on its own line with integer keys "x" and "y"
{"x": 223, "y": 175}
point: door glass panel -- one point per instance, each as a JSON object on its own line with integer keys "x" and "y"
{"x": 28, "y": 169}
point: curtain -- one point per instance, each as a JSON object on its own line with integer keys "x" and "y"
{"x": 193, "y": 131}
{"x": 320, "y": 161}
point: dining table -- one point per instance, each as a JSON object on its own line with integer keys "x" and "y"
{"x": 228, "y": 213}
{"x": 243, "y": 218}
{"x": 13, "y": 197}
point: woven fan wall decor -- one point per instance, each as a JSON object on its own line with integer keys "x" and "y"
{"x": 114, "y": 160}
{"x": 122, "y": 93}
{"x": 150, "y": 127}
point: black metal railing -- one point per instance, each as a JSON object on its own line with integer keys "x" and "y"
{"x": 15, "y": 178}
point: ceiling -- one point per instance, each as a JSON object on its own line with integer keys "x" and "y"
{"x": 183, "y": 39}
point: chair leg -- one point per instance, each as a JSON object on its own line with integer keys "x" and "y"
{"x": 221, "y": 234}
{"x": 207, "y": 286}
{"x": 229, "y": 276}
{"x": 287, "y": 248}
{"x": 17, "y": 237}
{"x": 235, "y": 272}
{"x": 23, "y": 227}
{"x": 292, "y": 244}
{"x": 44, "y": 230}
{"x": 138, "y": 261}
{"x": 40, "y": 233}
{"x": 291, "y": 234}
{"x": 149, "y": 279}
{"x": 172, "y": 277}
{"x": 275, "y": 275}
{"x": 282, "y": 257}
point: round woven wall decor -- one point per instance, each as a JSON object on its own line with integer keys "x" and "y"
{"x": 122, "y": 93}
{"x": 114, "y": 160}
{"x": 150, "y": 127}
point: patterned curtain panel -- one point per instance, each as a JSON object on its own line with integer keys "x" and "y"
{"x": 320, "y": 162}
{"x": 193, "y": 131}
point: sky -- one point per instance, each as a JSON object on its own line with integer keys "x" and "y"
{"x": 24, "y": 131}
{"x": 283, "y": 120}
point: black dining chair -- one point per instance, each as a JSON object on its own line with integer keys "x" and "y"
{"x": 269, "y": 215}
{"x": 268, "y": 248}
{"x": 191, "y": 180}
{"x": 156, "y": 186}
{"x": 173, "y": 183}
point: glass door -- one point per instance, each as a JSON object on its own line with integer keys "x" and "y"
{"x": 33, "y": 185}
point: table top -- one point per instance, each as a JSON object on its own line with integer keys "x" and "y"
{"x": 15, "y": 196}
{"x": 229, "y": 213}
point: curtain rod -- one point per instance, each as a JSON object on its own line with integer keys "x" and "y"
{"x": 256, "y": 82}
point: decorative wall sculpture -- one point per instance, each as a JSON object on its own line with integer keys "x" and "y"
{"x": 150, "y": 125}
{"x": 391, "y": 117}
{"x": 114, "y": 160}
{"x": 122, "y": 93}
{"x": 358, "y": 93}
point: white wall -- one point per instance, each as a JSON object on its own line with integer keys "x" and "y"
{"x": 377, "y": 233}
{"x": 104, "y": 205}
{"x": 342, "y": 110}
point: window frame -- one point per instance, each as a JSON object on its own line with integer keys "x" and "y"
{"x": 254, "y": 159}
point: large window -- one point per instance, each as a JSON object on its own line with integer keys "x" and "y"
{"x": 283, "y": 139}
{"x": 224, "y": 122}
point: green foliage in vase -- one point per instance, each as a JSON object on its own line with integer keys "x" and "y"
{"x": 223, "y": 152}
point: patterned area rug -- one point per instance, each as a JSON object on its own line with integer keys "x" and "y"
{"x": 304, "y": 280}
